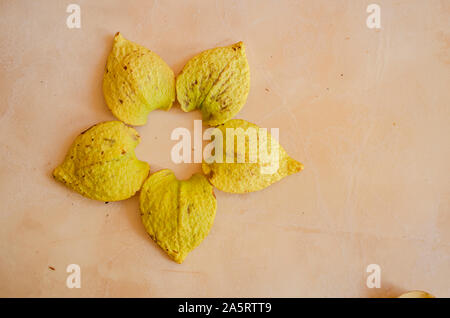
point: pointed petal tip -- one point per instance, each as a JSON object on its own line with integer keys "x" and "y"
{"x": 118, "y": 37}
{"x": 294, "y": 166}
{"x": 238, "y": 46}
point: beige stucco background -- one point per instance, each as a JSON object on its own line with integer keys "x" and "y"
{"x": 365, "y": 110}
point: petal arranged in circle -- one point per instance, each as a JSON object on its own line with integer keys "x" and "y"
{"x": 243, "y": 168}
{"x": 217, "y": 81}
{"x": 177, "y": 214}
{"x": 101, "y": 163}
{"x": 136, "y": 81}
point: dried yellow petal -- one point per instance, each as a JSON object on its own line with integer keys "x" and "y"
{"x": 244, "y": 174}
{"x": 101, "y": 163}
{"x": 136, "y": 81}
{"x": 177, "y": 214}
{"x": 217, "y": 82}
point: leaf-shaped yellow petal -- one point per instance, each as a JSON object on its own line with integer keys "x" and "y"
{"x": 136, "y": 81}
{"x": 177, "y": 214}
{"x": 101, "y": 163}
{"x": 244, "y": 174}
{"x": 217, "y": 82}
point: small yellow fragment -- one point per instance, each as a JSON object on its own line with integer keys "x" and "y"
{"x": 416, "y": 294}
{"x": 177, "y": 214}
{"x": 217, "y": 82}
{"x": 136, "y": 81}
{"x": 248, "y": 176}
{"x": 101, "y": 163}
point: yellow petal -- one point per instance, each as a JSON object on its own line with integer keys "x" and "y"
{"x": 217, "y": 82}
{"x": 136, "y": 81}
{"x": 248, "y": 176}
{"x": 101, "y": 163}
{"x": 177, "y": 214}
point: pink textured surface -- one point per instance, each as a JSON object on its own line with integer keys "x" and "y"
{"x": 366, "y": 111}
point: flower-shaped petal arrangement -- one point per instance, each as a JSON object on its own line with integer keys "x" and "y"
{"x": 177, "y": 214}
